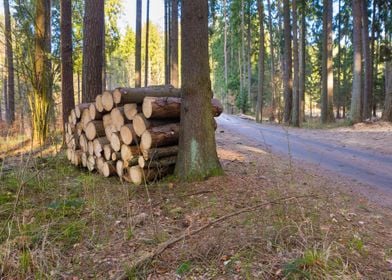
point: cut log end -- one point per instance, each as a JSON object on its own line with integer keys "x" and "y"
{"x": 107, "y": 101}
{"x": 108, "y": 169}
{"x": 131, "y": 110}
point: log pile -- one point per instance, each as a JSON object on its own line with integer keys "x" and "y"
{"x": 131, "y": 133}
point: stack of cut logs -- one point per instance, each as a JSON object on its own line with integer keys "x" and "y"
{"x": 129, "y": 132}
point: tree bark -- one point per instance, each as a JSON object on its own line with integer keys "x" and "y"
{"x": 259, "y": 106}
{"x": 93, "y": 34}
{"x": 327, "y": 72}
{"x": 174, "y": 44}
{"x": 387, "y": 113}
{"x": 355, "y": 110}
{"x": 159, "y": 136}
{"x": 272, "y": 53}
{"x": 137, "y": 95}
{"x": 10, "y": 64}
{"x": 138, "y": 52}
{"x": 295, "y": 112}
{"x": 302, "y": 62}
{"x": 287, "y": 61}
{"x": 67, "y": 90}
{"x": 197, "y": 158}
{"x": 367, "y": 65}
{"x": 147, "y": 42}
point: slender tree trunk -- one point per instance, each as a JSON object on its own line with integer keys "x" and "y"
{"x": 249, "y": 62}
{"x": 272, "y": 53}
{"x": 5, "y": 94}
{"x": 368, "y": 79}
{"x": 339, "y": 66}
{"x": 10, "y": 60}
{"x": 387, "y": 113}
{"x": 373, "y": 57}
{"x": 147, "y": 41}
{"x": 174, "y": 44}
{"x": 67, "y": 91}
{"x": 245, "y": 101}
{"x": 355, "y": 110}
{"x": 287, "y": 71}
{"x": 225, "y": 52}
{"x": 79, "y": 97}
{"x": 295, "y": 114}
{"x": 327, "y": 72}
{"x": 259, "y": 106}
{"x": 93, "y": 33}
{"x": 302, "y": 62}
{"x": 197, "y": 156}
{"x": 138, "y": 52}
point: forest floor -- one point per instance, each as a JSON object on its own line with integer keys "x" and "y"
{"x": 69, "y": 224}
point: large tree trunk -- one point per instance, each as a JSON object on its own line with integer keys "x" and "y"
{"x": 174, "y": 44}
{"x": 67, "y": 90}
{"x": 93, "y": 34}
{"x": 40, "y": 99}
{"x": 259, "y": 106}
{"x": 138, "y": 52}
{"x": 10, "y": 65}
{"x": 295, "y": 113}
{"x": 197, "y": 157}
{"x": 368, "y": 79}
{"x": 147, "y": 42}
{"x": 355, "y": 110}
{"x": 273, "y": 86}
{"x": 287, "y": 60}
{"x": 327, "y": 72}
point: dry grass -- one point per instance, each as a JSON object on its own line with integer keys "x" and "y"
{"x": 69, "y": 223}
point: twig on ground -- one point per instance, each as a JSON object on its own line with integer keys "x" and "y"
{"x": 162, "y": 247}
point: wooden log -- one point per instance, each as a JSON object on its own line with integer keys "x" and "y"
{"x": 170, "y": 107}
{"x": 90, "y": 148}
{"x": 107, "y": 151}
{"x": 128, "y": 134}
{"x": 157, "y": 163}
{"x": 90, "y": 163}
{"x": 129, "y": 152}
{"x": 94, "y": 114}
{"x": 85, "y": 119}
{"x": 109, "y": 130}
{"x": 136, "y": 95}
{"x": 115, "y": 141}
{"x": 107, "y": 120}
{"x": 98, "y": 103}
{"x": 116, "y": 156}
{"x": 99, "y": 163}
{"x": 131, "y": 110}
{"x": 69, "y": 154}
{"x": 118, "y": 117}
{"x": 77, "y": 157}
{"x": 84, "y": 159}
{"x": 120, "y": 168}
{"x": 99, "y": 143}
{"x": 80, "y": 108}
{"x": 160, "y": 152}
{"x": 79, "y": 128}
{"x": 73, "y": 117}
{"x": 139, "y": 175}
{"x": 83, "y": 143}
{"x": 158, "y": 136}
{"x": 107, "y": 101}
{"x": 94, "y": 129}
{"x": 141, "y": 124}
{"x": 108, "y": 168}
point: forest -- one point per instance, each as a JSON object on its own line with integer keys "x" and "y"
{"x": 196, "y": 139}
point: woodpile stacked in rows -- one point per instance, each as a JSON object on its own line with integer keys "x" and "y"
{"x": 129, "y": 132}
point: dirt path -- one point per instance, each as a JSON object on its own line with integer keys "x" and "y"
{"x": 327, "y": 150}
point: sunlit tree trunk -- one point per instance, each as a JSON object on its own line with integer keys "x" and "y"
{"x": 138, "y": 52}
{"x": 287, "y": 60}
{"x": 295, "y": 113}
{"x": 225, "y": 52}
{"x": 339, "y": 66}
{"x": 174, "y": 44}
{"x": 40, "y": 99}
{"x": 387, "y": 113}
{"x": 67, "y": 90}
{"x": 197, "y": 156}
{"x": 302, "y": 62}
{"x": 327, "y": 72}
{"x": 10, "y": 64}
{"x": 272, "y": 53}
{"x": 355, "y": 110}
{"x": 147, "y": 42}
{"x": 259, "y": 106}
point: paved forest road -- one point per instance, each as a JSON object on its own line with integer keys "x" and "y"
{"x": 362, "y": 165}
